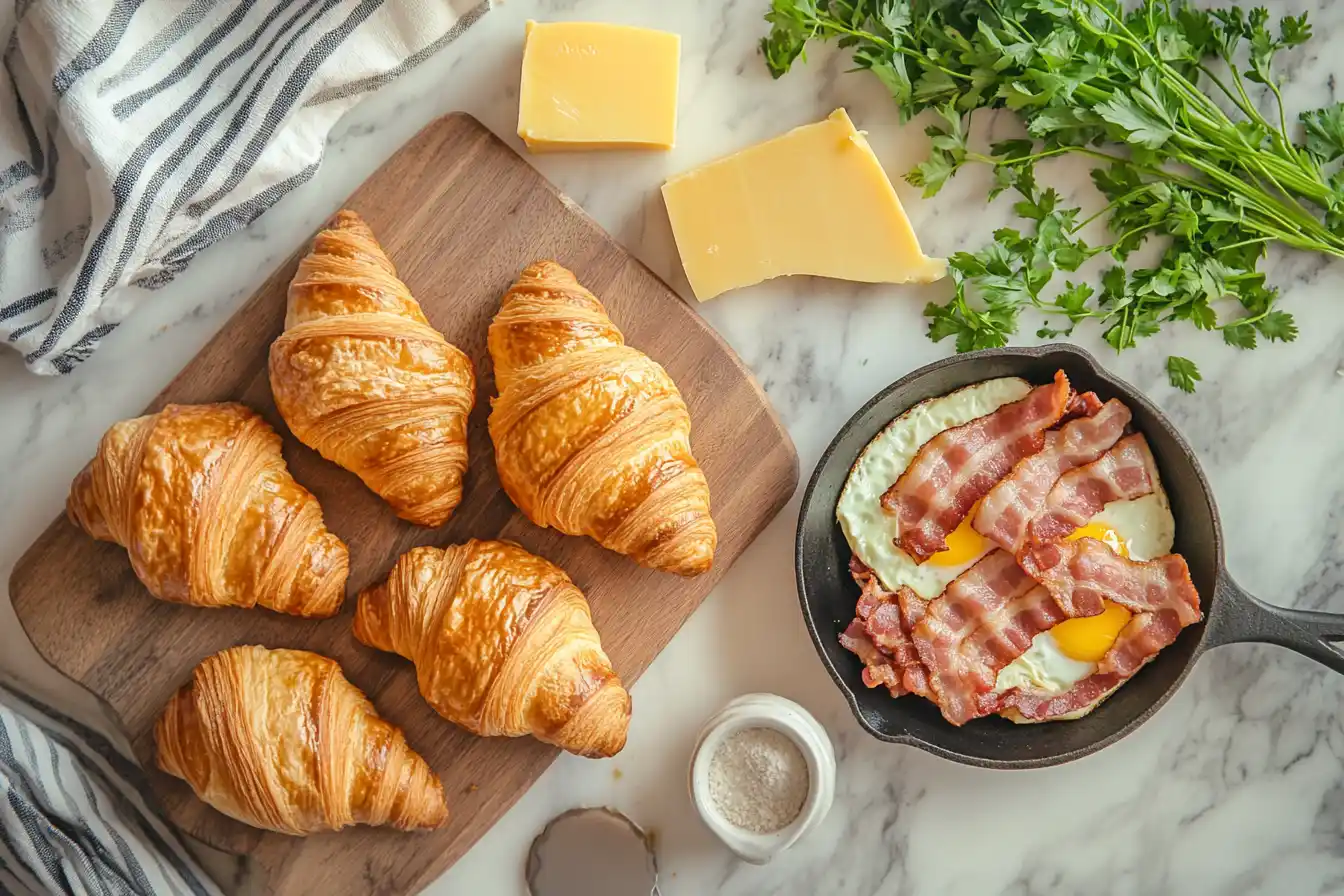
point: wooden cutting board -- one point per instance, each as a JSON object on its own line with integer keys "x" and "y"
{"x": 460, "y": 214}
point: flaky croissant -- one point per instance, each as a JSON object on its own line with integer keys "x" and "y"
{"x": 362, "y": 378}
{"x": 278, "y": 739}
{"x": 503, "y": 644}
{"x": 200, "y": 497}
{"x": 591, "y": 436}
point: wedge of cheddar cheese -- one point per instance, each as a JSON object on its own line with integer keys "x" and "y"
{"x": 813, "y": 201}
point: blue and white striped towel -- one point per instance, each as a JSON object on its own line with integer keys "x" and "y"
{"x": 135, "y": 133}
{"x": 72, "y": 818}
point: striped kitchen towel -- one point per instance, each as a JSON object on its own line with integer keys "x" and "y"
{"x": 135, "y": 133}
{"x": 72, "y": 818}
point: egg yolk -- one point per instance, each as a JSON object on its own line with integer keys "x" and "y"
{"x": 1104, "y": 534}
{"x": 964, "y": 544}
{"x": 1088, "y": 639}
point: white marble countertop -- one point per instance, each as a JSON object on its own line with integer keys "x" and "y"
{"x": 1234, "y": 787}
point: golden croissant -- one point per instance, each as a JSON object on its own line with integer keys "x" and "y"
{"x": 278, "y": 739}
{"x": 591, "y": 436}
{"x": 503, "y": 644}
{"x": 200, "y": 497}
{"x": 362, "y": 378}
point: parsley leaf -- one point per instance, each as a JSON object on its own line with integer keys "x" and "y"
{"x": 948, "y": 153}
{"x": 1277, "y": 326}
{"x": 1241, "y": 334}
{"x": 1294, "y": 32}
{"x": 1325, "y": 132}
{"x": 1182, "y": 373}
{"x": 1138, "y": 125}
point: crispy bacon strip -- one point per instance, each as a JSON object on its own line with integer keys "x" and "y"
{"x": 888, "y": 632}
{"x": 871, "y": 593}
{"x": 1042, "y": 707}
{"x": 878, "y": 669}
{"x": 891, "y": 630}
{"x": 1007, "y": 511}
{"x": 1005, "y": 635}
{"x": 881, "y": 637}
{"x": 985, "y": 619}
{"x": 1080, "y": 574}
{"x": 1125, "y": 472}
{"x": 958, "y": 466}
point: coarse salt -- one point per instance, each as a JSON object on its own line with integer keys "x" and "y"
{"x": 758, "y": 779}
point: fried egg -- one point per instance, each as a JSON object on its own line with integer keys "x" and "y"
{"x": 871, "y": 532}
{"x": 1141, "y": 529}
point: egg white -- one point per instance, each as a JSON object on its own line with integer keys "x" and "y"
{"x": 870, "y": 531}
{"x": 1043, "y": 668}
{"x": 1146, "y": 524}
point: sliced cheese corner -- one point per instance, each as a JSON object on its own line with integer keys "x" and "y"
{"x": 812, "y": 201}
{"x": 590, "y": 85}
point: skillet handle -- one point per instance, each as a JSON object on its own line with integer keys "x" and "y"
{"x": 1242, "y": 617}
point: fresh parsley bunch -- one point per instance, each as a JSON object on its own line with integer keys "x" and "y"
{"x": 1129, "y": 89}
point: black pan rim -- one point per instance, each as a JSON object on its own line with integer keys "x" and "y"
{"x": 1131, "y": 395}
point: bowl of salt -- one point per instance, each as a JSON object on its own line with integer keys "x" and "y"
{"x": 762, "y": 775}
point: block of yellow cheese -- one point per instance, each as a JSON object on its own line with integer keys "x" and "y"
{"x": 589, "y": 85}
{"x": 812, "y": 201}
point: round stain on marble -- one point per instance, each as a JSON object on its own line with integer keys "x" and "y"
{"x": 592, "y": 852}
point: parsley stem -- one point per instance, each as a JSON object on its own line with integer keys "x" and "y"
{"x": 839, "y": 27}
{"x": 1010, "y": 22}
{"x": 1282, "y": 136}
{"x": 1247, "y": 110}
{"x": 1288, "y": 216}
{"x": 1135, "y": 230}
{"x": 1288, "y": 229}
{"x": 1248, "y": 107}
{"x": 1286, "y": 174}
{"x": 1249, "y": 242}
{"x": 1108, "y": 206}
{"x": 1244, "y": 321}
{"x": 1311, "y": 184}
{"x": 1017, "y": 160}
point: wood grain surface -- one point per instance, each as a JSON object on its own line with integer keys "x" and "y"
{"x": 460, "y": 214}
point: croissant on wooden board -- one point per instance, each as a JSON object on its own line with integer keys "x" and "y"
{"x": 503, "y": 644}
{"x": 591, "y": 436}
{"x": 200, "y": 497}
{"x": 278, "y": 739}
{"x": 362, "y": 378}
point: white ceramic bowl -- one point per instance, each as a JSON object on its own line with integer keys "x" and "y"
{"x": 790, "y": 719}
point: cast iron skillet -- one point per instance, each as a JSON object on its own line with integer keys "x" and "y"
{"x": 828, "y": 594}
